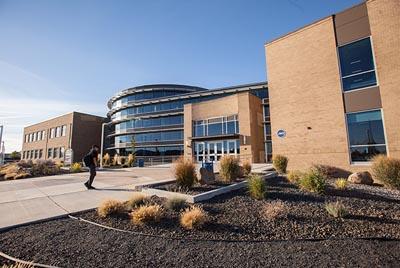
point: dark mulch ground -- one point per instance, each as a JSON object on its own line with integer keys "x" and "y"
{"x": 196, "y": 189}
{"x": 374, "y": 212}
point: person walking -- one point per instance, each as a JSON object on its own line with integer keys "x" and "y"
{"x": 90, "y": 161}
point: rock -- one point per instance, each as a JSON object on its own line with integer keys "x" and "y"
{"x": 206, "y": 176}
{"x": 361, "y": 178}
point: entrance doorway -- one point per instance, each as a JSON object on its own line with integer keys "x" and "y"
{"x": 212, "y": 151}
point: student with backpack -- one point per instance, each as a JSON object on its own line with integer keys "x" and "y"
{"x": 90, "y": 161}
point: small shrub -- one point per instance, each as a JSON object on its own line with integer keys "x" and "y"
{"x": 10, "y": 176}
{"x": 229, "y": 168}
{"x": 257, "y": 187}
{"x": 274, "y": 210}
{"x": 21, "y": 175}
{"x": 185, "y": 172}
{"x": 336, "y": 209}
{"x": 387, "y": 171}
{"x": 76, "y": 167}
{"x": 313, "y": 181}
{"x": 44, "y": 168}
{"x": 106, "y": 159}
{"x": 110, "y": 207}
{"x": 146, "y": 214}
{"x": 121, "y": 161}
{"x": 176, "y": 204}
{"x": 115, "y": 160}
{"x": 246, "y": 168}
{"x": 137, "y": 200}
{"x": 294, "y": 176}
{"x": 280, "y": 163}
{"x": 341, "y": 184}
{"x": 193, "y": 218}
{"x": 131, "y": 159}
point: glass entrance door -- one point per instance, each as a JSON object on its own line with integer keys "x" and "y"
{"x": 212, "y": 151}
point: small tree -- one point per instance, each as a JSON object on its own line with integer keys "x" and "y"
{"x": 15, "y": 155}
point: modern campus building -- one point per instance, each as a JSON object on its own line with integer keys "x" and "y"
{"x": 51, "y": 138}
{"x": 333, "y": 97}
{"x": 171, "y": 120}
{"x": 334, "y": 88}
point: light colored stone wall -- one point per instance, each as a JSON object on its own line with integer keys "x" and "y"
{"x": 384, "y": 18}
{"x": 306, "y": 97}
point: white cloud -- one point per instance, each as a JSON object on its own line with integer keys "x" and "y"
{"x": 27, "y": 98}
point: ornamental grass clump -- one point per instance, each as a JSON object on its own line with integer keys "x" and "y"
{"x": 294, "y": 176}
{"x": 193, "y": 218}
{"x": 257, "y": 187}
{"x": 146, "y": 214}
{"x": 336, "y": 209}
{"x": 274, "y": 210}
{"x": 137, "y": 200}
{"x": 76, "y": 167}
{"x": 229, "y": 168}
{"x": 131, "y": 160}
{"x": 341, "y": 184}
{"x": 185, "y": 172}
{"x": 387, "y": 171}
{"x": 106, "y": 160}
{"x": 176, "y": 204}
{"x": 110, "y": 207}
{"x": 313, "y": 181}
{"x": 280, "y": 163}
{"x": 246, "y": 168}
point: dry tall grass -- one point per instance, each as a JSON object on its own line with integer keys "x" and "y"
{"x": 387, "y": 171}
{"x": 110, "y": 207}
{"x": 193, "y": 218}
{"x": 146, "y": 214}
{"x": 229, "y": 168}
{"x": 185, "y": 172}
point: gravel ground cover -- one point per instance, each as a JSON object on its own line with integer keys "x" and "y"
{"x": 374, "y": 212}
{"x": 196, "y": 189}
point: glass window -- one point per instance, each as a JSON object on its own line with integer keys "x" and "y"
{"x": 366, "y": 135}
{"x": 43, "y": 134}
{"x": 58, "y": 132}
{"x": 64, "y": 130}
{"x": 55, "y": 153}
{"x": 40, "y": 153}
{"x": 62, "y": 150}
{"x": 52, "y": 133}
{"x": 50, "y": 153}
{"x": 357, "y": 65}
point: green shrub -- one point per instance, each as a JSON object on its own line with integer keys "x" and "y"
{"x": 313, "y": 181}
{"x": 246, "y": 168}
{"x": 185, "y": 172}
{"x": 137, "y": 200}
{"x": 229, "y": 168}
{"x": 341, "y": 184}
{"x": 176, "y": 204}
{"x": 44, "y": 168}
{"x": 387, "y": 171}
{"x": 294, "y": 176}
{"x": 146, "y": 214}
{"x": 75, "y": 167}
{"x": 280, "y": 163}
{"x": 336, "y": 209}
{"x": 257, "y": 186}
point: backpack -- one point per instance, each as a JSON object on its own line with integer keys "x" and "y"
{"x": 87, "y": 160}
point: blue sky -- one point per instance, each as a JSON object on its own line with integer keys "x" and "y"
{"x": 59, "y": 56}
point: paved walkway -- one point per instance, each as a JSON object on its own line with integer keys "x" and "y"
{"x": 35, "y": 199}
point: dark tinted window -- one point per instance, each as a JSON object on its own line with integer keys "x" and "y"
{"x": 365, "y": 133}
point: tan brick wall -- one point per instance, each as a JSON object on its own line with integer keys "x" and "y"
{"x": 82, "y": 132}
{"x": 249, "y": 110}
{"x": 384, "y": 17}
{"x": 306, "y": 97}
{"x": 47, "y": 142}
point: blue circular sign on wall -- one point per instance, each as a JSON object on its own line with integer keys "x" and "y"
{"x": 281, "y": 133}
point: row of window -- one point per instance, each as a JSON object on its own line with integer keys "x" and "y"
{"x": 38, "y": 154}
{"x": 146, "y": 96}
{"x": 216, "y": 126}
{"x": 154, "y": 151}
{"x": 151, "y": 137}
{"x": 41, "y": 135}
{"x": 165, "y": 106}
{"x": 58, "y": 132}
{"x": 35, "y": 136}
{"x": 150, "y": 122}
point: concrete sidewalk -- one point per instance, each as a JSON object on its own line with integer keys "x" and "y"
{"x": 30, "y": 200}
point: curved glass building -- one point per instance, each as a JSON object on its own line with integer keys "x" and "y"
{"x": 153, "y": 117}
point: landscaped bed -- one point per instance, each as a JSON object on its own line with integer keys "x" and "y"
{"x": 373, "y": 212}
